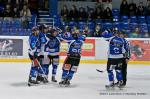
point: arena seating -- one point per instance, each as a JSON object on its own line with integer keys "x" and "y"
{"x": 10, "y": 26}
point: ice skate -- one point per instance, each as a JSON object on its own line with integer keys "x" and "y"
{"x": 110, "y": 86}
{"x": 53, "y": 79}
{"x": 120, "y": 84}
{"x": 32, "y": 81}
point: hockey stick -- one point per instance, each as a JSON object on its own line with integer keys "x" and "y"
{"x": 100, "y": 71}
{"x": 41, "y": 69}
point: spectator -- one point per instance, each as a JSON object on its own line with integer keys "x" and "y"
{"x": 26, "y": 16}
{"x": 124, "y": 10}
{"x": 82, "y": 14}
{"x": 41, "y": 4}
{"x": 99, "y": 4}
{"x": 73, "y": 14}
{"x": 8, "y": 12}
{"x": 132, "y": 8}
{"x": 108, "y": 4}
{"x": 135, "y": 34}
{"x": 25, "y": 12}
{"x": 91, "y": 14}
{"x": 108, "y": 14}
{"x": 21, "y": 3}
{"x": 33, "y": 5}
{"x": 97, "y": 31}
{"x": 87, "y": 31}
{"x": 141, "y": 9}
{"x": 98, "y": 13}
{"x": 2, "y": 5}
{"x": 64, "y": 13}
{"x": 16, "y": 12}
{"x": 46, "y": 4}
{"x": 148, "y": 9}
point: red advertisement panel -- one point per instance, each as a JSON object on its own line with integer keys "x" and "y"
{"x": 88, "y": 48}
{"x": 140, "y": 50}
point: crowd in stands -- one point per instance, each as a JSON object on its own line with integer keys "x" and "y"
{"x": 17, "y": 15}
{"x": 101, "y": 11}
{"x": 131, "y": 18}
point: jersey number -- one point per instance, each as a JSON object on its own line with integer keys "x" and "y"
{"x": 116, "y": 50}
{"x": 76, "y": 50}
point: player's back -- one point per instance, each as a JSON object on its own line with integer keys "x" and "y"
{"x": 116, "y": 47}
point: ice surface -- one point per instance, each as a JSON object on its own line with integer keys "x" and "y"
{"x": 87, "y": 84}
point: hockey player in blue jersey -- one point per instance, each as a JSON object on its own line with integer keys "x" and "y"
{"x": 52, "y": 50}
{"x": 42, "y": 57}
{"x": 117, "y": 49}
{"x": 33, "y": 43}
{"x": 72, "y": 61}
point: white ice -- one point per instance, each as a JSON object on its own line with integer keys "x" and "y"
{"x": 86, "y": 84}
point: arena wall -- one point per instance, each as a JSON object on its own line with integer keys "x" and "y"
{"x": 15, "y": 49}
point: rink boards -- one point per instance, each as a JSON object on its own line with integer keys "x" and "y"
{"x": 15, "y": 49}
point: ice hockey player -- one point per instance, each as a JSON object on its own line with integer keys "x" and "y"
{"x": 52, "y": 49}
{"x": 42, "y": 56}
{"x": 115, "y": 55}
{"x": 33, "y": 43}
{"x": 72, "y": 60}
{"x": 126, "y": 58}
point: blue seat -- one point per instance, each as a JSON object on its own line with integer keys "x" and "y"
{"x": 117, "y": 25}
{"x": 148, "y": 26}
{"x": 22, "y": 32}
{"x": 2, "y": 8}
{"x": 116, "y": 18}
{"x": 64, "y": 24}
{"x": 133, "y": 19}
{"x": 16, "y": 24}
{"x": 98, "y": 21}
{"x": 107, "y": 26}
{"x": 115, "y": 12}
{"x": 133, "y": 26}
{"x": 57, "y": 20}
{"x": 5, "y": 23}
{"x": 72, "y": 24}
{"x": 124, "y": 18}
{"x": 5, "y": 31}
{"x": 81, "y": 25}
{"x": 13, "y": 31}
{"x": 30, "y": 25}
{"x": 91, "y": 25}
{"x": 124, "y": 26}
{"x": 148, "y": 19}
{"x": 141, "y": 19}
{"x": 143, "y": 28}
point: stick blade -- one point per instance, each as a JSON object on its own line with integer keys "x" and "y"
{"x": 99, "y": 70}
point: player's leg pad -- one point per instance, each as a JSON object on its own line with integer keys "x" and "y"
{"x": 74, "y": 68}
{"x": 119, "y": 75}
{"x": 110, "y": 75}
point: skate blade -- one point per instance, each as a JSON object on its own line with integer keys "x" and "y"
{"x": 31, "y": 84}
{"x": 121, "y": 88}
{"x": 64, "y": 85}
{"x": 110, "y": 88}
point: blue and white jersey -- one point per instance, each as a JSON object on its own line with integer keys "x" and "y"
{"x": 117, "y": 47}
{"x": 33, "y": 44}
{"x": 75, "y": 45}
{"x": 52, "y": 46}
{"x": 42, "y": 40}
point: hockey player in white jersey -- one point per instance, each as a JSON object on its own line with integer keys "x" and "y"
{"x": 116, "y": 51}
